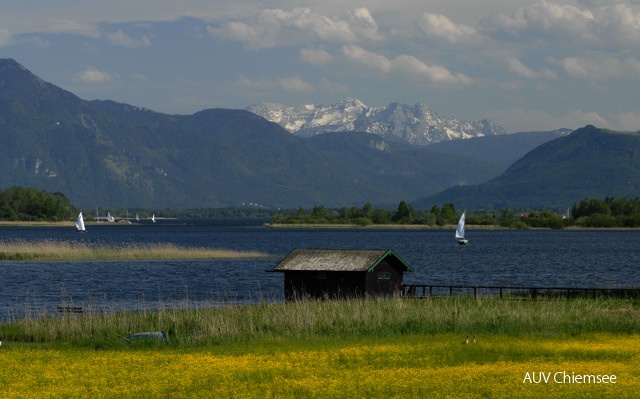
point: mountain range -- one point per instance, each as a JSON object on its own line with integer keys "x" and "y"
{"x": 107, "y": 154}
{"x": 588, "y": 163}
{"x": 414, "y": 124}
{"x": 101, "y": 153}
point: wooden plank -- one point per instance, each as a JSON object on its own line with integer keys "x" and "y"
{"x": 70, "y": 309}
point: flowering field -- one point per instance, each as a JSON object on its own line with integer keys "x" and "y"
{"x": 408, "y": 366}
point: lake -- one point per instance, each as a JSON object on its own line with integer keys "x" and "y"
{"x": 544, "y": 258}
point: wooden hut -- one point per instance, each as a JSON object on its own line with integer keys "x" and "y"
{"x": 341, "y": 273}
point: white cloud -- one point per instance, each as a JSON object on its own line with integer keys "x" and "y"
{"x": 541, "y": 20}
{"x": 5, "y": 37}
{"x": 619, "y": 25}
{"x": 439, "y": 27}
{"x": 406, "y": 65}
{"x": 278, "y": 27}
{"x": 629, "y": 121}
{"x": 288, "y": 83}
{"x": 517, "y": 67}
{"x": 606, "y": 26}
{"x": 294, "y": 83}
{"x": 121, "y": 39}
{"x": 241, "y": 32}
{"x": 601, "y": 68}
{"x": 366, "y": 58}
{"x": 315, "y": 57}
{"x": 306, "y": 21}
{"x": 362, "y": 22}
{"x": 93, "y": 76}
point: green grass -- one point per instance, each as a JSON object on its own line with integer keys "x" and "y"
{"x": 400, "y": 348}
{"x": 347, "y": 319}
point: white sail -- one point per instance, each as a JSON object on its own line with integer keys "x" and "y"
{"x": 80, "y": 223}
{"x": 460, "y": 229}
{"x": 153, "y": 218}
{"x": 110, "y": 218}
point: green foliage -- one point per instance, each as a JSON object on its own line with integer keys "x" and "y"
{"x": 445, "y": 215}
{"x": 610, "y": 212}
{"x": 404, "y": 214}
{"x": 30, "y": 204}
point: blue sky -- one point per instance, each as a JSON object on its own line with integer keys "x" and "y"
{"x": 527, "y": 65}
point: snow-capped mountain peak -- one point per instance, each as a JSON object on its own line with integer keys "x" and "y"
{"x": 415, "y": 124}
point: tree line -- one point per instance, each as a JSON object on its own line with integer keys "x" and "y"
{"x": 31, "y": 204}
{"x": 610, "y": 212}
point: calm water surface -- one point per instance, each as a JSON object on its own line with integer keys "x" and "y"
{"x": 545, "y": 258}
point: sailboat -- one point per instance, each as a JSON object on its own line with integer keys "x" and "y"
{"x": 153, "y": 218}
{"x": 80, "y": 224}
{"x": 460, "y": 231}
{"x": 110, "y": 218}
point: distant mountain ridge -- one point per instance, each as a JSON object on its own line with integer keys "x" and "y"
{"x": 414, "y": 124}
{"x": 502, "y": 150}
{"x": 588, "y": 163}
{"x": 106, "y": 154}
{"x": 102, "y": 153}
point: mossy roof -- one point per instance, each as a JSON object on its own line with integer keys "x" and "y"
{"x": 363, "y": 260}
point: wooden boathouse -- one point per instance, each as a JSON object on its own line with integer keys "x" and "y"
{"x": 342, "y": 273}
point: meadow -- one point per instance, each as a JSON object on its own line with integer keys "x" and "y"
{"x": 395, "y": 348}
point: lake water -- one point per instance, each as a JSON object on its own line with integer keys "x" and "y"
{"x": 544, "y": 258}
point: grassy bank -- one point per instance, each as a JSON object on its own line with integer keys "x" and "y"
{"x": 391, "y": 348}
{"x": 73, "y": 250}
{"x": 342, "y": 319}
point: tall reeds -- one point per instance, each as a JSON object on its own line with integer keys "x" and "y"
{"x": 212, "y": 324}
{"x": 72, "y": 250}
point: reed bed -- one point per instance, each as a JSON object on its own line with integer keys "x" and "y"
{"x": 76, "y": 250}
{"x": 189, "y": 324}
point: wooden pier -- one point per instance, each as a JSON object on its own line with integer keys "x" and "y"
{"x": 515, "y": 292}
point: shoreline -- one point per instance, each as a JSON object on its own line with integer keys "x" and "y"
{"x": 428, "y": 227}
{"x": 379, "y": 226}
{"x": 71, "y": 224}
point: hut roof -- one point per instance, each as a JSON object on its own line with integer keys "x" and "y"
{"x": 364, "y": 260}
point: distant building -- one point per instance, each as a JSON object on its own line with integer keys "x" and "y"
{"x": 342, "y": 273}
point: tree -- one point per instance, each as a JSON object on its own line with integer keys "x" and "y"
{"x": 31, "y": 204}
{"x": 448, "y": 214}
{"x": 404, "y": 214}
{"x": 367, "y": 210}
{"x": 380, "y": 216}
{"x": 320, "y": 213}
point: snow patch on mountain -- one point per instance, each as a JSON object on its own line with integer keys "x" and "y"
{"x": 415, "y": 124}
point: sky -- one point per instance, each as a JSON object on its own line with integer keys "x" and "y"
{"x": 526, "y": 65}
